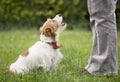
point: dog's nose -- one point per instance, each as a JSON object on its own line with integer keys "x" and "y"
{"x": 59, "y": 15}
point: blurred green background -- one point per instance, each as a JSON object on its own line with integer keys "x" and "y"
{"x": 35, "y": 12}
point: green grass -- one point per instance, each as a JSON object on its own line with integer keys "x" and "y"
{"x": 76, "y": 48}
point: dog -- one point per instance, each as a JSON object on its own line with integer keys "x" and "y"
{"x": 45, "y": 53}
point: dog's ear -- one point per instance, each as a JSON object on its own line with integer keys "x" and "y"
{"x": 49, "y": 32}
{"x": 44, "y": 26}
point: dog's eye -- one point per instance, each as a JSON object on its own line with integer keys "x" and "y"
{"x": 53, "y": 20}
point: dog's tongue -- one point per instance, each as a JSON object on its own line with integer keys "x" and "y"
{"x": 54, "y": 45}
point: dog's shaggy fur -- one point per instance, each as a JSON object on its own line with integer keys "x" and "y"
{"x": 43, "y": 54}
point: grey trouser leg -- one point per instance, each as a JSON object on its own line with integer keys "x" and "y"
{"x": 103, "y": 59}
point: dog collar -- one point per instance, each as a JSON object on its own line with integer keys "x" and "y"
{"x": 54, "y": 45}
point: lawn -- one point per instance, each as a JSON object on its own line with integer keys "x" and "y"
{"x": 76, "y": 48}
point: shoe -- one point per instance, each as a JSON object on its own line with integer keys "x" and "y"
{"x": 84, "y": 71}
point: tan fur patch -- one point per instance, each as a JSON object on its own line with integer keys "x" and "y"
{"x": 49, "y": 28}
{"x": 25, "y": 53}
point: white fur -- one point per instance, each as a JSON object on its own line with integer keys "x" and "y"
{"x": 41, "y": 54}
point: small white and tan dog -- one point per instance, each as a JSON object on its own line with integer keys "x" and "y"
{"x": 45, "y": 53}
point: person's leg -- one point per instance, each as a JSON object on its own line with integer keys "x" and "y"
{"x": 103, "y": 59}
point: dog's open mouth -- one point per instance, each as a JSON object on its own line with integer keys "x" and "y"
{"x": 63, "y": 24}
